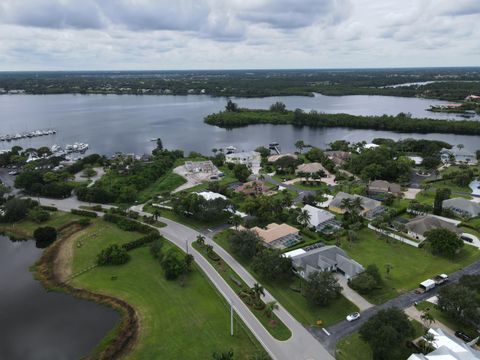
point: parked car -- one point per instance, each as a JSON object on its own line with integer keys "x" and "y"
{"x": 463, "y": 336}
{"x": 13, "y": 172}
{"x": 466, "y": 238}
{"x": 353, "y": 316}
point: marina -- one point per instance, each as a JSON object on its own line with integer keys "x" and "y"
{"x": 29, "y": 134}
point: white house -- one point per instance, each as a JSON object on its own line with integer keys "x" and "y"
{"x": 447, "y": 347}
{"x": 210, "y": 195}
{"x": 251, "y": 159}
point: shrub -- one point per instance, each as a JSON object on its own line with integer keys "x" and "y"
{"x": 113, "y": 255}
{"x": 86, "y": 213}
{"x": 38, "y": 215}
{"x": 84, "y": 222}
{"x": 17, "y": 209}
{"x": 173, "y": 265}
{"x": 156, "y": 248}
{"x": 48, "y": 208}
{"x": 44, "y": 236}
{"x": 127, "y": 224}
{"x": 142, "y": 241}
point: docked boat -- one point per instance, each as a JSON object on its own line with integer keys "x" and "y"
{"x": 230, "y": 149}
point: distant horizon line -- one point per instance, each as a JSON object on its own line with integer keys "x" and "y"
{"x": 243, "y": 69}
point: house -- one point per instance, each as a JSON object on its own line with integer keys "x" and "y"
{"x": 383, "y": 187}
{"x": 370, "y": 207}
{"x": 311, "y": 168}
{"x": 462, "y": 207}
{"x": 251, "y": 159}
{"x": 459, "y": 156}
{"x": 447, "y": 347}
{"x": 417, "y": 227}
{"x": 321, "y": 220}
{"x": 325, "y": 258}
{"x": 210, "y": 195}
{"x": 338, "y": 157}
{"x": 252, "y": 188}
{"x": 472, "y": 98}
{"x": 273, "y": 158}
{"x": 278, "y": 236}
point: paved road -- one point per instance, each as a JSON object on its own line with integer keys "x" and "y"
{"x": 344, "y": 328}
{"x": 301, "y": 346}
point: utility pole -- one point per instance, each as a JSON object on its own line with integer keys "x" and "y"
{"x": 186, "y": 245}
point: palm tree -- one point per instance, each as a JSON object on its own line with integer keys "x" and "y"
{"x": 304, "y": 218}
{"x": 429, "y": 339}
{"x": 236, "y": 220}
{"x": 352, "y": 237}
{"x": 156, "y": 214}
{"x": 300, "y": 145}
{"x": 346, "y": 204}
{"x": 258, "y": 291}
{"x": 270, "y": 307}
{"x": 427, "y": 319}
{"x": 460, "y": 146}
{"x": 200, "y": 239}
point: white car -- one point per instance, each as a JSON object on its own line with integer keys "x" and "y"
{"x": 354, "y": 316}
{"x": 13, "y": 172}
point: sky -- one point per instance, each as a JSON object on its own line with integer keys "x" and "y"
{"x": 237, "y": 34}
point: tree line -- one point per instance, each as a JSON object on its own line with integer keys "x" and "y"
{"x": 396, "y": 123}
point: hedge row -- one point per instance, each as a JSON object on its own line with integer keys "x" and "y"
{"x": 142, "y": 241}
{"x": 84, "y": 213}
{"x": 127, "y": 224}
{"x": 48, "y": 208}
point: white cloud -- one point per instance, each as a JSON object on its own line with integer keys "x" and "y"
{"x": 161, "y": 34}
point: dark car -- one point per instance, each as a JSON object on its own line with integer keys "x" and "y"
{"x": 463, "y": 336}
{"x": 466, "y": 238}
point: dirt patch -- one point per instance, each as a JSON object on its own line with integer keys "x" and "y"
{"x": 62, "y": 265}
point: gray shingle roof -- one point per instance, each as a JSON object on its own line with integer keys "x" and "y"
{"x": 462, "y": 205}
{"x": 367, "y": 203}
{"x": 420, "y": 225}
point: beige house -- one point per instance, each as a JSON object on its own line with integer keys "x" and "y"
{"x": 311, "y": 168}
{"x": 278, "y": 236}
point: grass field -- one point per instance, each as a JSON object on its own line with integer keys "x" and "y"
{"x": 410, "y": 265}
{"x": 190, "y": 321}
{"x": 27, "y": 226}
{"x": 292, "y": 300}
{"x": 274, "y": 325}
{"x": 352, "y": 347}
{"x": 166, "y": 183}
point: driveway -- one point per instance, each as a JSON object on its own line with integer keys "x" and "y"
{"x": 411, "y": 193}
{"x": 352, "y": 295}
{"x": 476, "y": 240}
{"x": 413, "y": 313}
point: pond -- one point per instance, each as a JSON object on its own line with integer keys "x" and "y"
{"x": 42, "y": 325}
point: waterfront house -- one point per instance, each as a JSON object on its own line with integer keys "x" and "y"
{"x": 273, "y": 158}
{"x": 459, "y": 156}
{"x": 251, "y": 159}
{"x": 311, "y": 169}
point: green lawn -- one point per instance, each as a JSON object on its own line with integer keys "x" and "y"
{"x": 410, "y": 265}
{"x": 188, "y": 322}
{"x": 274, "y": 325}
{"x": 292, "y": 300}
{"x": 352, "y": 347}
{"x": 166, "y": 183}
{"x": 57, "y": 218}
